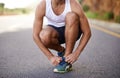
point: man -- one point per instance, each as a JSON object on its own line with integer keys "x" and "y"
{"x": 66, "y": 23}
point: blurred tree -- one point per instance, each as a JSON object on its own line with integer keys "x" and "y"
{"x": 80, "y": 1}
{"x": 2, "y": 8}
{"x": 109, "y": 8}
{"x": 116, "y": 10}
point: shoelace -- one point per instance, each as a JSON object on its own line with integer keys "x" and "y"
{"x": 63, "y": 61}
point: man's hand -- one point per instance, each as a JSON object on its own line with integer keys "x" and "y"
{"x": 72, "y": 58}
{"x": 55, "y": 60}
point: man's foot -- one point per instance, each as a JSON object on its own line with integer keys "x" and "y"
{"x": 63, "y": 67}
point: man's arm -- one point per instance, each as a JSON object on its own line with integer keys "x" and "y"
{"x": 86, "y": 32}
{"x": 84, "y": 25}
{"x": 37, "y": 28}
{"x": 38, "y": 23}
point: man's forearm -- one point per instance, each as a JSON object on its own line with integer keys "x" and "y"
{"x": 37, "y": 28}
{"x": 83, "y": 42}
{"x": 42, "y": 47}
{"x": 85, "y": 36}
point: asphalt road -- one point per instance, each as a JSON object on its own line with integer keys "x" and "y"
{"x": 21, "y": 58}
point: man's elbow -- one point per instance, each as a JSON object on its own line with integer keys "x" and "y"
{"x": 35, "y": 36}
{"x": 88, "y": 33}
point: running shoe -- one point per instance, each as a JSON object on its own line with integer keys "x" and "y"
{"x": 63, "y": 67}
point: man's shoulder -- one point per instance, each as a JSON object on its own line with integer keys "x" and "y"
{"x": 76, "y": 7}
{"x": 74, "y": 2}
{"x": 42, "y": 3}
{"x": 40, "y": 9}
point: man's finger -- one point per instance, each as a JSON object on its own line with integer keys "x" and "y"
{"x": 67, "y": 58}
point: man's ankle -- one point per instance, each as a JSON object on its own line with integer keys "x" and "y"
{"x": 62, "y": 49}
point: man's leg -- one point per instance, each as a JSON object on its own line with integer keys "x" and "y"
{"x": 71, "y": 31}
{"x": 49, "y": 37}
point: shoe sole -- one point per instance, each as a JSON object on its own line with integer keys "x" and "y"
{"x": 67, "y": 70}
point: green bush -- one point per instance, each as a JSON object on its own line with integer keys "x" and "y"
{"x": 117, "y": 19}
{"x": 2, "y": 5}
{"x": 17, "y": 11}
{"x": 1, "y": 8}
{"x": 108, "y": 15}
{"x": 86, "y": 8}
{"x": 91, "y": 14}
{"x": 80, "y": 1}
{"x": 24, "y": 11}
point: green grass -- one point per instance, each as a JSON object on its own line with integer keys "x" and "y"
{"x": 108, "y": 16}
{"x": 15, "y": 11}
{"x": 90, "y": 14}
{"x": 117, "y": 19}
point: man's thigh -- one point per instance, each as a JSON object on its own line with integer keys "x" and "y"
{"x": 61, "y": 33}
{"x": 49, "y": 33}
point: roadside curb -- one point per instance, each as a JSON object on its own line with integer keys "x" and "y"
{"x": 114, "y": 27}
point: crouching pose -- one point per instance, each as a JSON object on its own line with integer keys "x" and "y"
{"x": 66, "y": 24}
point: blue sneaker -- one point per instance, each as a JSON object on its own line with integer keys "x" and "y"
{"x": 63, "y": 67}
{"x": 61, "y": 54}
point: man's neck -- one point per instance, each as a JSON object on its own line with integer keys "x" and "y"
{"x": 58, "y": 2}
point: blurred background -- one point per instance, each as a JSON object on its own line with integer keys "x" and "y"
{"x": 102, "y": 9}
{"x": 107, "y": 10}
{"x": 21, "y": 58}
{"x": 12, "y": 7}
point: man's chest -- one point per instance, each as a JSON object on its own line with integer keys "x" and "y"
{"x": 58, "y": 10}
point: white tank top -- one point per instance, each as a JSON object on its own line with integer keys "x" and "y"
{"x": 52, "y": 18}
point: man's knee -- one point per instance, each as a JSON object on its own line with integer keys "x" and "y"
{"x": 45, "y": 37}
{"x": 72, "y": 18}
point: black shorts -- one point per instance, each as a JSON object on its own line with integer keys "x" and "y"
{"x": 61, "y": 32}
